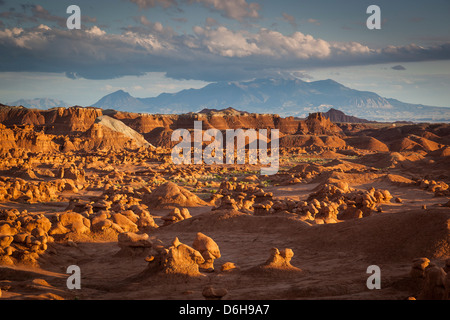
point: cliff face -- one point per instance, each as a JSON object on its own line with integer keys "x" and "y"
{"x": 59, "y": 129}
{"x": 144, "y": 123}
{"x": 122, "y": 129}
{"x": 56, "y": 120}
{"x": 7, "y": 139}
{"x": 34, "y": 141}
{"x": 80, "y": 119}
{"x": 79, "y": 130}
{"x": 75, "y": 129}
{"x": 317, "y": 123}
{"x": 26, "y": 138}
{"x": 100, "y": 137}
{"x": 73, "y": 119}
{"x": 21, "y": 116}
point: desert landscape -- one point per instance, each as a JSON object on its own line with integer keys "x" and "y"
{"x": 97, "y": 188}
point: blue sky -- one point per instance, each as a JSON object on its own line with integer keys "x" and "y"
{"x": 147, "y": 47}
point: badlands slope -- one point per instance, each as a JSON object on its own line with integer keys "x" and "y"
{"x": 98, "y": 189}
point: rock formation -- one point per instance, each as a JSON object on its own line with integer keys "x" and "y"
{"x": 176, "y": 215}
{"x": 176, "y": 260}
{"x": 171, "y": 195}
{"x": 278, "y": 263}
{"x": 209, "y": 250}
{"x": 23, "y": 237}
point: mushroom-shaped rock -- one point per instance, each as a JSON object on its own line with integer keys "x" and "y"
{"x": 209, "y": 250}
{"x": 279, "y": 261}
{"x": 280, "y": 258}
{"x": 178, "y": 259}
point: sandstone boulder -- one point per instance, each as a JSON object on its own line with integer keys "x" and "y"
{"x": 208, "y": 249}
{"x": 277, "y": 264}
{"x": 176, "y": 260}
{"x": 171, "y": 195}
{"x": 126, "y": 224}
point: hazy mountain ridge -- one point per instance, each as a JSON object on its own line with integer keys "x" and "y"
{"x": 40, "y": 103}
{"x": 286, "y": 97}
{"x": 120, "y": 100}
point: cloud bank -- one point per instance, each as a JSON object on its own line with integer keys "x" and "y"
{"x": 210, "y": 53}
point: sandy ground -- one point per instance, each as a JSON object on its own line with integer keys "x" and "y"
{"x": 333, "y": 258}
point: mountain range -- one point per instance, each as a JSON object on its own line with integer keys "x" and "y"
{"x": 286, "y": 97}
{"x": 40, "y": 103}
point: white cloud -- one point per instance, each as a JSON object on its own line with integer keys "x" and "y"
{"x": 225, "y": 42}
{"x": 269, "y": 43}
{"x": 297, "y": 45}
{"x": 96, "y": 31}
{"x": 350, "y": 48}
{"x": 22, "y": 38}
{"x": 208, "y": 54}
{"x": 44, "y": 27}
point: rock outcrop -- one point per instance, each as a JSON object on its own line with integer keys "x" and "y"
{"x": 171, "y": 195}
{"x": 176, "y": 260}
{"x": 208, "y": 249}
{"x": 278, "y": 264}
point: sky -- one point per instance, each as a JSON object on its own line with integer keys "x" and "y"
{"x": 147, "y": 47}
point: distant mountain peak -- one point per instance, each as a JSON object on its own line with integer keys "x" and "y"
{"x": 119, "y": 100}
{"x": 119, "y": 92}
{"x": 283, "y": 96}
